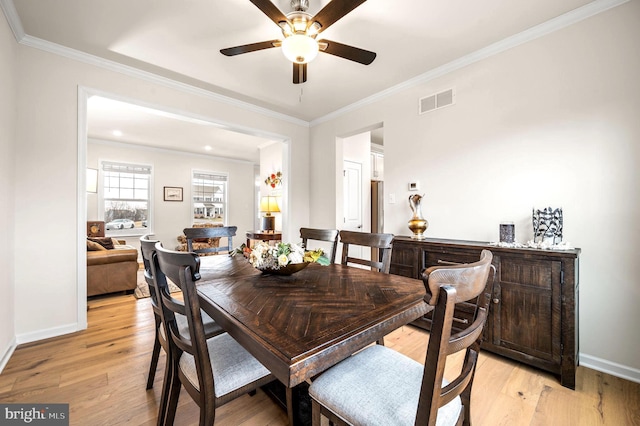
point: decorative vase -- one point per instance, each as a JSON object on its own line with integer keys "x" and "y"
{"x": 289, "y": 269}
{"x": 417, "y": 224}
{"x": 547, "y": 225}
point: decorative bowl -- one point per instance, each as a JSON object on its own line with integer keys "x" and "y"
{"x": 290, "y": 269}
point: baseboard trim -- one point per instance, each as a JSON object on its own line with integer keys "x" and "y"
{"x": 7, "y": 355}
{"x": 609, "y": 367}
{"x": 46, "y": 334}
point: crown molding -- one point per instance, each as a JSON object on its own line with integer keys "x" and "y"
{"x": 555, "y": 24}
{"x": 79, "y": 56}
{"x": 13, "y": 19}
{"x": 532, "y": 33}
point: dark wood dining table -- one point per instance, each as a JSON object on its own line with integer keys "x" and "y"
{"x": 300, "y": 325}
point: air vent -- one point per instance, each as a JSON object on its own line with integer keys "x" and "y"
{"x": 436, "y": 101}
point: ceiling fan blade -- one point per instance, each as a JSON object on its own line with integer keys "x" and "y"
{"x": 270, "y": 10}
{"x": 351, "y": 53}
{"x": 246, "y": 48}
{"x": 299, "y": 73}
{"x": 333, "y": 11}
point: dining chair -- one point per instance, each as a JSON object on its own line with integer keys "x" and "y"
{"x": 329, "y": 235}
{"x": 213, "y": 371}
{"x": 147, "y": 247}
{"x": 382, "y": 242}
{"x": 379, "y": 386}
{"x": 227, "y": 232}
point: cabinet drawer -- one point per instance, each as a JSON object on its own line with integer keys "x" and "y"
{"x": 435, "y": 258}
{"x": 462, "y": 317}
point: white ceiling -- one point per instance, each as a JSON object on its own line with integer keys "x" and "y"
{"x": 140, "y": 125}
{"x": 181, "y": 40}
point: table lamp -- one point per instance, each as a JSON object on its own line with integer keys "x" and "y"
{"x": 268, "y": 205}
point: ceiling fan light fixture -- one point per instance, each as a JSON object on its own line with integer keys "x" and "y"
{"x": 300, "y": 48}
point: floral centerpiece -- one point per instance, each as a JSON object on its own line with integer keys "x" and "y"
{"x": 282, "y": 258}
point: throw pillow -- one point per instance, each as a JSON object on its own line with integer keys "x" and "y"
{"x": 93, "y": 246}
{"x": 104, "y": 242}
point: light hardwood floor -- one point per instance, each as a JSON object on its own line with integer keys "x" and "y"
{"x": 101, "y": 373}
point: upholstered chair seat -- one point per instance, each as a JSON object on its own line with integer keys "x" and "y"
{"x": 341, "y": 389}
{"x": 233, "y": 367}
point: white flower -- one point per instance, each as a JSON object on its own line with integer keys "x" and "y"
{"x": 295, "y": 257}
{"x": 283, "y": 260}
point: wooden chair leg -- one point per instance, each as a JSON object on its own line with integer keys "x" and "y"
{"x": 315, "y": 413}
{"x": 166, "y": 390}
{"x": 154, "y": 360}
{"x": 380, "y": 341}
{"x": 174, "y": 394}
{"x": 207, "y": 414}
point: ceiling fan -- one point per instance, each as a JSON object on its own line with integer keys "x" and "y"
{"x": 300, "y": 31}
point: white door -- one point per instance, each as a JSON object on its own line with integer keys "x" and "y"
{"x": 353, "y": 201}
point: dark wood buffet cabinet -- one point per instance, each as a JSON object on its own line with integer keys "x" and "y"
{"x": 533, "y": 317}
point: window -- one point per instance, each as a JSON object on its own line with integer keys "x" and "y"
{"x": 125, "y": 198}
{"x": 209, "y": 194}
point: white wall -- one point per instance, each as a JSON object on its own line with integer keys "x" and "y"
{"x": 172, "y": 168}
{"x": 553, "y": 122}
{"x": 46, "y": 153}
{"x": 8, "y": 77}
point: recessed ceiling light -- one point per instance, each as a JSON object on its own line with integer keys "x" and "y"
{"x": 117, "y": 133}
{"x": 207, "y": 148}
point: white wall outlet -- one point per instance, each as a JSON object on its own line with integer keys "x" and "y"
{"x": 392, "y": 198}
{"x": 414, "y": 186}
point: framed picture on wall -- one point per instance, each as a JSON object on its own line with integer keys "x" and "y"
{"x": 172, "y": 193}
{"x": 95, "y": 228}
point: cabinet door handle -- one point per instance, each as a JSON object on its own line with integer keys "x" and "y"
{"x": 496, "y": 300}
{"x": 463, "y": 321}
{"x": 446, "y": 262}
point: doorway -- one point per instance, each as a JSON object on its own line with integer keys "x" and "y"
{"x": 186, "y": 118}
{"x": 358, "y": 154}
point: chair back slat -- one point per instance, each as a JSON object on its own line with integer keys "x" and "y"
{"x": 328, "y": 235}
{"x": 227, "y": 232}
{"x": 457, "y": 386}
{"x": 383, "y": 242}
{"x": 466, "y": 337}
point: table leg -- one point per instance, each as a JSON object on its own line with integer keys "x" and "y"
{"x": 289, "y": 393}
{"x": 296, "y": 401}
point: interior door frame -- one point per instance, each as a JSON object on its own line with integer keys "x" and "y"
{"x": 83, "y": 95}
